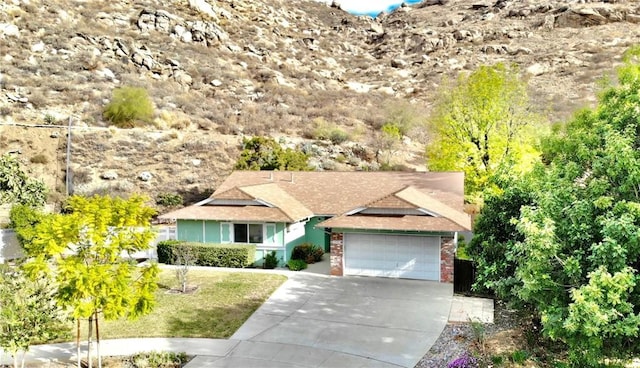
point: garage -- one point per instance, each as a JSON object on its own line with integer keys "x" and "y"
{"x": 398, "y": 256}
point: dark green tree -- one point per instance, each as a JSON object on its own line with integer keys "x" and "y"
{"x": 263, "y": 153}
{"x": 17, "y": 187}
{"x": 576, "y": 254}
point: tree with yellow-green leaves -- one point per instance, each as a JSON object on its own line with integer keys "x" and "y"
{"x": 483, "y": 121}
{"x": 83, "y": 252}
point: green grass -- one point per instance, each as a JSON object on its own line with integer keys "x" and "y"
{"x": 217, "y": 309}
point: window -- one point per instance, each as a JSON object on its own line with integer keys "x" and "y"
{"x": 247, "y": 233}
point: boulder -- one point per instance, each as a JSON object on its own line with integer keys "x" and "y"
{"x": 109, "y": 175}
{"x": 145, "y": 176}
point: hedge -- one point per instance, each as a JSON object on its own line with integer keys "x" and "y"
{"x": 208, "y": 254}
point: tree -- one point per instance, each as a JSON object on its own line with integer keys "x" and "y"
{"x": 482, "y": 121}
{"x": 388, "y": 140}
{"x": 23, "y": 220}
{"x": 263, "y": 153}
{"x": 128, "y": 105}
{"x": 28, "y": 313}
{"x": 577, "y": 260}
{"x": 82, "y": 252}
{"x": 495, "y": 234}
{"x": 17, "y": 187}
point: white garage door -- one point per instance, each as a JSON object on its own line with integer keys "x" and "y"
{"x": 410, "y": 257}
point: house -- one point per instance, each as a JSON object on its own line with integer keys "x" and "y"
{"x": 388, "y": 224}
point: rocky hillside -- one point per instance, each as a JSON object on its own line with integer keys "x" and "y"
{"x": 220, "y": 70}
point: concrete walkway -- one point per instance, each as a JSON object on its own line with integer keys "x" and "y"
{"x": 311, "y": 321}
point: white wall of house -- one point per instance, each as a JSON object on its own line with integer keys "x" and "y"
{"x": 294, "y": 231}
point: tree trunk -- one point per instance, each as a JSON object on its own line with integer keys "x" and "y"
{"x": 89, "y": 356}
{"x": 78, "y": 341}
{"x": 98, "y": 342}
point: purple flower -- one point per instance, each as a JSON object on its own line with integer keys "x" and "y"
{"x": 464, "y": 361}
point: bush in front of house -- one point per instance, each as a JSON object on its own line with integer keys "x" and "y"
{"x": 208, "y": 254}
{"x": 307, "y": 252}
{"x": 296, "y": 264}
{"x": 271, "y": 260}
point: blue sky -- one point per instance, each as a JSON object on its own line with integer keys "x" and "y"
{"x": 371, "y": 7}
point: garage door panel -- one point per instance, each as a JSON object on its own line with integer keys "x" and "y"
{"x": 398, "y": 256}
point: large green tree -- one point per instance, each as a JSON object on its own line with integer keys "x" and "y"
{"x": 483, "y": 121}
{"x": 577, "y": 260}
{"x": 83, "y": 251}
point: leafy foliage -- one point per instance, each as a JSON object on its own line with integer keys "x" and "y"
{"x": 485, "y": 120}
{"x": 23, "y": 219}
{"x": 296, "y": 264}
{"x": 83, "y": 252}
{"x": 208, "y": 254}
{"x": 28, "y": 312}
{"x": 17, "y": 187}
{"x": 495, "y": 235}
{"x": 155, "y": 359}
{"x": 310, "y": 253}
{"x": 169, "y": 199}
{"x": 128, "y": 105}
{"x": 271, "y": 260}
{"x": 578, "y": 250}
{"x": 263, "y": 153}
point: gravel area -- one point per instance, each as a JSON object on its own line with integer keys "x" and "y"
{"x": 458, "y": 338}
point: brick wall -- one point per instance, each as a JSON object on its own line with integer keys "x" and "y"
{"x": 337, "y": 249}
{"x": 447, "y": 255}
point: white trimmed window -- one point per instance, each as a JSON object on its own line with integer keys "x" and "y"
{"x": 248, "y": 233}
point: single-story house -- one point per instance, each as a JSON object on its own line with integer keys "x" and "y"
{"x": 388, "y": 224}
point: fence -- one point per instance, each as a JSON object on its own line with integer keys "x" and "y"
{"x": 464, "y": 275}
{"x": 10, "y": 248}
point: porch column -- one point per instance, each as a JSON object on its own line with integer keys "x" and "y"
{"x": 447, "y": 248}
{"x": 337, "y": 250}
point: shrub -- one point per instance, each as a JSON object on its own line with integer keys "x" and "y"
{"x": 169, "y": 199}
{"x": 328, "y": 131}
{"x": 307, "y": 252}
{"x": 464, "y": 361}
{"x": 128, "y": 105}
{"x": 519, "y": 356}
{"x": 271, "y": 260}
{"x": 296, "y": 264}
{"x": 39, "y": 159}
{"x": 49, "y": 119}
{"x": 158, "y": 359}
{"x": 208, "y": 254}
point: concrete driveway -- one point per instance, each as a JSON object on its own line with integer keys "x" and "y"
{"x": 319, "y": 321}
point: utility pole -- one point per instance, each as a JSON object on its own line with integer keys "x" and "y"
{"x": 67, "y": 176}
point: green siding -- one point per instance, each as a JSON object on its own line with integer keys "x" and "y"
{"x": 190, "y": 230}
{"x": 315, "y": 235}
{"x": 212, "y": 232}
{"x": 280, "y": 226}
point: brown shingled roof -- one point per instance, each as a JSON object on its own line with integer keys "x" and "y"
{"x": 299, "y": 195}
{"x": 403, "y": 223}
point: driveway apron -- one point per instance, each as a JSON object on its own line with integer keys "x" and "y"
{"x": 316, "y": 321}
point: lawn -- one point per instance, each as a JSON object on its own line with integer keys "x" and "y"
{"x": 223, "y": 301}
